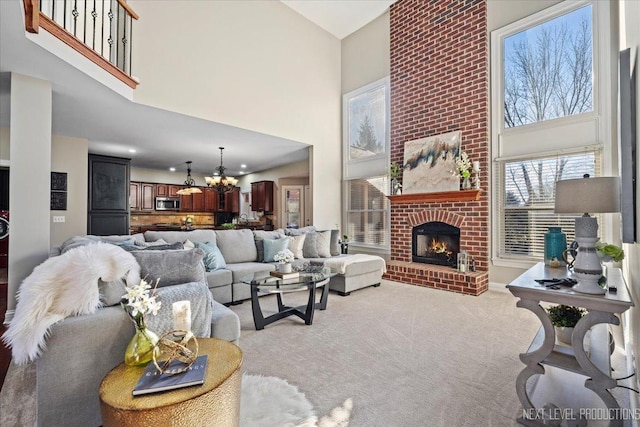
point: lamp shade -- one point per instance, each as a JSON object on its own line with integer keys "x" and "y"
{"x": 588, "y": 195}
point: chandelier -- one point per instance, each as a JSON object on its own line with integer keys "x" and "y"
{"x": 189, "y": 183}
{"x": 219, "y": 181}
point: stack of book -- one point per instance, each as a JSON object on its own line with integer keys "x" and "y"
{"x": 283, "y": 276}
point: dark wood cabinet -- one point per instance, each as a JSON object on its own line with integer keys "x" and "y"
{"x": 109, "y": 198}
{"x": 162, "y": 190}
{"x": 134, "y": 196}
{"x": 232, "y": 200}
{"x": 211, "y": 200}
{"x": 173, "y": 190}
{"x": 147, "y": 196}
{"x": 198, "y": 202}
{"x": 262, "y": 196}
{"x": 186, "y": 203}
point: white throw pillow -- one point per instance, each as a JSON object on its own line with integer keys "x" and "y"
{"x": 188, "y": 244}
{"x": 323, "y": 243}
{"x": 295, "y": 245}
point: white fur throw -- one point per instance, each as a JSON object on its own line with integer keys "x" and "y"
{"x": 65, "y": 285}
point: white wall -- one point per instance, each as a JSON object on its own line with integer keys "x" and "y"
{"x": 503, "y": 12}
{"x": 366, "y": 54}
{"x": 253, "y": 64}
{"x": 630, "y": 38}
{"x": 70, "y": 155}
{"x": 29, "y": 179}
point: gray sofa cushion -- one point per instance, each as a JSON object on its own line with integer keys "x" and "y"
{"x": 218, "y": 278}
{"x": 309, "y": 248}
{"x": 250, "y": 270}
{"x": 260, "y": 235}
{"x": 225, "y": 324}
{"x": 181, "y": 236}
{"x": 335, "y": 243}
{"x": 171, "y": 267}
{"x": 237, "y": 245}
{"x": 323, "y": 243}
{"x": 299, "y": 231}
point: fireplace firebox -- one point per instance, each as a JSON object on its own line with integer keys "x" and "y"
{"x": 435, "y": 243}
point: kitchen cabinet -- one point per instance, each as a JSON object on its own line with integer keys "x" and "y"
{"x": 186, "y": 203}
{"x": 198, "y": 202}
{"x": 141, "y": 196}
{"x": 211, "y": 200}
{"x": 262, "y": 196}
{"x": 109, "y": 199}
{"x": 232, "y": 200}
{"x": 193, "y": 202}
{"x": 167, "y": 190}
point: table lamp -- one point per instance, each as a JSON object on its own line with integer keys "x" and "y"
{"x": 584, "y": 195}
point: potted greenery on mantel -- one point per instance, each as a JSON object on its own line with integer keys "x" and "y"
{"x": 564, "y": 318}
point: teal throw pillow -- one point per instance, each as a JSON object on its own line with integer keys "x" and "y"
{"x": 273, "y": 246}
{"x": 213, "y": 259}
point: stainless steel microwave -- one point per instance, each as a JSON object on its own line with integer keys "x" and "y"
{"x": 167, "y": 203}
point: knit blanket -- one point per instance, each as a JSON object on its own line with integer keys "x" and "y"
{"x": 339, "y": 264}
{"x": 65, "y": 285}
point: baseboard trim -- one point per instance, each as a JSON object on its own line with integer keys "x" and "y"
{"x": 498, "y": 287}
{"x": 632, "y": 366}
{"x": 8, "y": 316}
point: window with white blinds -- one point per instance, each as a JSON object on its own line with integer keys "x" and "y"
{"x": 527, "y": 197}
{"x": 367, "y": 213}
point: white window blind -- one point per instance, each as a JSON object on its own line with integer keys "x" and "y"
{"x": 368, "y": 211}
{"x": 527, "y": 197}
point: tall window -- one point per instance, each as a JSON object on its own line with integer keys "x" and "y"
{"x": 528, "y": 197}
{"x": 366, "y": 156}
{"x": 368, "y": 211}
{"x": 548, "y": 70}
{"x": 547, "y": 121}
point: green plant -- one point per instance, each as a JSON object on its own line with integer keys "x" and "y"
{"x": 345, "y": 238}
{"x": 610, "y": 252}
{"x": 395, "y": 170}
{"x": 565, "y": 315}
{"x": 228, "y": 225}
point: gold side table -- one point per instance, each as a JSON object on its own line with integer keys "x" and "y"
{"x": 216, "y": 402}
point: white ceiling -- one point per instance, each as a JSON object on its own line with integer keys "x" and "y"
{"x": 84, "y": 108}
{"x": 340, "y": 17}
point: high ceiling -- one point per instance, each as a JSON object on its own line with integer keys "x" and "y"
{"x": 113, "y": 125}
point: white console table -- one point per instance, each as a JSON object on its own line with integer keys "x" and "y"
{"x": 602, "y": 309}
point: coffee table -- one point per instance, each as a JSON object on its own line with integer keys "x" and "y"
{"x": 306, "y": 281}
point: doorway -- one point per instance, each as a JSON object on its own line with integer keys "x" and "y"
{"x": 293, "y": 213}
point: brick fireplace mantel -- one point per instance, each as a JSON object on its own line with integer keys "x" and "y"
{"x": 443, "y": 196}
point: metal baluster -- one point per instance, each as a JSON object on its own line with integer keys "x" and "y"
{"x": 117, "y": 59}
{"x": 84, "y": 33}
{"x": 124, "y": 44}
{"x": 64, "y": 13}
{"x": 94, "y": 14}
{"x": 102, "y": 30}
{"x": 110, "y": 39}
{"x": 75, "y": 16}
{"x": 130, "y": 43}
{"x": 53, "y": 10}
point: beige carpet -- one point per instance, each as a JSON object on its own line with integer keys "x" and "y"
{"x": 406, "y": 356}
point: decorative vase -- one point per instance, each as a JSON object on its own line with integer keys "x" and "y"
{"x": 395, "y": 187}
{"x": 284, "y": 268}
{"x": 563, "y": 334}
{"x": 140, "y": 350}
{"x": 555, "y": 243}
{"x": 466, "y": 184}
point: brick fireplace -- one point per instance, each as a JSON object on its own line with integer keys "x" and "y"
{"x": 439, "y": 83}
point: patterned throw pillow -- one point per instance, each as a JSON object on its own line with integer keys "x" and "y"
{"x": 309, "y": 249}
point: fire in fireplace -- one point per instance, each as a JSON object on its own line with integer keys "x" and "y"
{"x": 435, "y": 243}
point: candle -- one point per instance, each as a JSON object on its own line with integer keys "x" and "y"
{"x": 182, "y": 315}
{"x": 476, "y": 166}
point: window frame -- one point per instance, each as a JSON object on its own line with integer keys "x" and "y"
{"x": 557, "y": 136}
{"x": 374, "y": 166}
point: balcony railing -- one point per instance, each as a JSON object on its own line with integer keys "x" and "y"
{"x": 101, "y": 30}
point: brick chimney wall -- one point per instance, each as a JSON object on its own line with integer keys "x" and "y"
{"x": 440, "y": 83}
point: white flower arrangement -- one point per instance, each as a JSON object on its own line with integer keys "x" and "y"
{"x": 138, "y": 301}
{"x": 284, "y": 257}
{"x": 463, "y": 165}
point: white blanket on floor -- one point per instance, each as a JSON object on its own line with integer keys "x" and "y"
{"x": 339, "y": 264}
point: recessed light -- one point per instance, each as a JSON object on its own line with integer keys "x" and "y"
{"x": 241, "y": 172}
{"x": 131, "y": 150}
{"x": 243, "y": 166}
{"x": 172, "y": 169}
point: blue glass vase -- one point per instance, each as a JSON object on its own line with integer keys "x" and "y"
{"x": 555, "y": 242}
